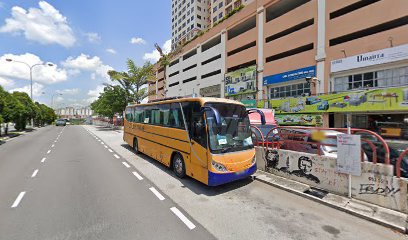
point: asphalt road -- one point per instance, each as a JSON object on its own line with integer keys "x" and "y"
{"x": 65, "y": 183}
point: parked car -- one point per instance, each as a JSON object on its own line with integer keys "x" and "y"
{"x": 60, "y": 122}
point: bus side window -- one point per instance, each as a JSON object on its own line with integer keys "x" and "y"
{"x": 176, "y": 117}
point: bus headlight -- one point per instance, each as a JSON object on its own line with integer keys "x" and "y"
{"x": 253, "y": 160}
{"x": 219, "y": 166}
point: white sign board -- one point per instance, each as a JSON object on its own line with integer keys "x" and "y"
{"x": 349, "y": 154}
{"x": 371, "y": 58}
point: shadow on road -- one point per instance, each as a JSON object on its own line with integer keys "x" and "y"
{"x": 190, "y": 183}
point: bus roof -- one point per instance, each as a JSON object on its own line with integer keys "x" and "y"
{"x": 202, "y": 100}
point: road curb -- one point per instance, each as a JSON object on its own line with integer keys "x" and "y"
{"x": 400, "y": 229}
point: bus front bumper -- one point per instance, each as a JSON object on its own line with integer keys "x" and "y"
{"x": 215, "y": 179}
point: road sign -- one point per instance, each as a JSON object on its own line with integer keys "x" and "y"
{"x": 349, "y": 154}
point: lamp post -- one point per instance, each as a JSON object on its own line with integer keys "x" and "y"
{"x": 52, "y": 98}
{"x": 31, "y": 77}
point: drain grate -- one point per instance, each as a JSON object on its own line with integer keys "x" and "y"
{"x": 316, "y": 192}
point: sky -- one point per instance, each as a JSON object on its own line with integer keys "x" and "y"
{"x": 75, "y": 43}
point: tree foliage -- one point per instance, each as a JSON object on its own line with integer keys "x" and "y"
{"x": 110, "y": 102}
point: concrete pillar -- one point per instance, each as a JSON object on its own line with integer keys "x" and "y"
{"x": 260, "y": 44}
{"x": 223, "y": 60}
{"x": 321, "y": 46}
{"x": 196, "y": 90}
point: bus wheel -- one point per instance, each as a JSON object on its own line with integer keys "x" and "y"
{"x": 135, "y": 145}
{"x": 179, "y": 167}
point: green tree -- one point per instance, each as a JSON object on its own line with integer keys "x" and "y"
{"x": 12, "y": 110}
{"x": 133, "y": 80}
{"x": 30, "y": 110}
{"x": 110, "y": 102}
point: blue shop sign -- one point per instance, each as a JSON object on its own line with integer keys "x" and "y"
{"x": 290, "y": 75}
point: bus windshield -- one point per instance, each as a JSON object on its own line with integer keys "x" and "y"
{"x": 234, "y": 133}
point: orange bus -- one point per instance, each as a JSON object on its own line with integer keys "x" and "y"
{"x": 208, "y": 139}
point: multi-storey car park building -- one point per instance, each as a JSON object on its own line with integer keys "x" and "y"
{"x": 310, "y": 60}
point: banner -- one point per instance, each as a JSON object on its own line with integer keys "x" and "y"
{"x": 290, "y": 75}
{"x": 241, "y": 81}
{"x": 386, "y": 99}
{"x": 299, "y": 120}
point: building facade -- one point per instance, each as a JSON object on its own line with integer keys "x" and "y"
{"x": 277, "y": 54}
{"x": 71, "y": 112}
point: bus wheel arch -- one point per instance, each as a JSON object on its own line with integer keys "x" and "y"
{"x": 136, "y": 145}
{"x": 178, "y": 165}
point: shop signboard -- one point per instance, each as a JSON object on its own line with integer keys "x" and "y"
{"x": 241, "y": 81}
{"x": 385, "y": 99}
{"x": 211, "y": 91}
{"x": 251, "y": 103}
{"x": 299, "y": 120}
{"x": 290, "y": 75}
{"x": 371, "y": 58}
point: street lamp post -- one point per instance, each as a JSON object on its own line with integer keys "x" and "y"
{"x": 31, "y": 77}
{"x": 52, "y": 98}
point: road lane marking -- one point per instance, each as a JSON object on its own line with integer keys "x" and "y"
{"x": 158, "y": 195}
{"x": 34, "y": 173}
{"x": 183, "y": 218}
{"x": 53, "y": 145}
{"x": 126, "y": 164}
{"x": 110, "y": 150}
{"x": 49, "y": 151}
{"x": 18, "y": 199}
{"x": 116, "y": 156}
{"x": 102, "y": 143}
{"x": 105, "y": 146}
{"x": 43, "y": 160}
{"x": 137, "y": 175}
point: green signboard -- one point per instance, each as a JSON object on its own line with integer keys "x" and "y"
{"x": 249, "y": 103}
{"x": 386, "y": 99}
{"x": 299, "y": 120}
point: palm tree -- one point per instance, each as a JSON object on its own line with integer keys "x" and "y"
{"x": 133, "y": 80}
{"x": 164, "y": 61}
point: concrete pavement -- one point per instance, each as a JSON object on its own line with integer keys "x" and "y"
{"x": 65, "y": 183}
{"x": 249, "y": 209}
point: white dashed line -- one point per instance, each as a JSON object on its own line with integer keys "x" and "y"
{"x": 53, "y": 145}
{"x": 116, "y": 156}
{"x": 48, "y": 151}
{"x": 183, "y": 218}
{"x": 126, "y": 164}
{"x": 137, "y": 175}
{"x": 102, "y": 143}
{"x": 105, "y": 146}
{"x": 18, "y": 199}
{"x": 34, "y": 173}
{"x": 43, "y": 160}
{"x": 158, "y": 195}
{"x": 110, "y": 150}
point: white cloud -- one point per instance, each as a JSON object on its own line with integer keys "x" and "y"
{"x": 111, "y": 50}
{"x": 154, "y": 56}
{"x": 94, "y": 93}
{"x": 93, "y": 37}
{"x": 4, "y": 82}
{"x": 72, "y": 91}
{"x": 87, "y": 63}
{"x": 38, "y": 89}
{"x": 45, "y": 25}
{"x": 41, "y": 73}
{"x": 137, "y": 40}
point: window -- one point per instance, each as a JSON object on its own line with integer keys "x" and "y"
{"x": 215, "y": 9}
{"x": 198, "y": 25}
{"x": 220, "y": 4}
{"x": 293, "y": 90}
{"x": 220, "y": 15}
{"x": 198, "y": 8}
{"x": 198, "y": 16}
{"x": 129, "y": 114}
{"x": 382, "y": 78}
{"x": 176, "y": 117}
{"x": 215, "y": 19}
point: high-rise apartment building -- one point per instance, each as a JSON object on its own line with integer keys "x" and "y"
{"x": 221, "y": 8}
{"x": 188, "y": 18}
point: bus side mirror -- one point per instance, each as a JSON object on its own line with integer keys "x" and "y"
{"x": 263, "y": 121}
{"x": 215, "y": 112}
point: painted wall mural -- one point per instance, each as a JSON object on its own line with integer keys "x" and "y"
{"x": 299, "y": 120}
{"x": 388, "y": 99}
{"x": 375, "y": 185}
{"x": 241, "y": 81}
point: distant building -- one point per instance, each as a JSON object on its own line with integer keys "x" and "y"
{"x": 71, "y": 112}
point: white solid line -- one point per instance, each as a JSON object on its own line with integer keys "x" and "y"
{"x": 48, "y": 151}
{"x": 18, "y": 199}
{"x": 126, "y": 164}
{"x": 110, "y": 150}
{"x": 137, "y": 175}
{"x": 116, "y": 156}
{"x": 43, "y": 160}
{"x": 183, "y": 218}
{"x": 158, "y": 195}
{"x": 53, "y": 145}
{"x": 34, "y": 173}
{"x": 105, "y": 146}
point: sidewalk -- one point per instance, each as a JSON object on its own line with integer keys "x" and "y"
{"x": 383, "y": 216}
